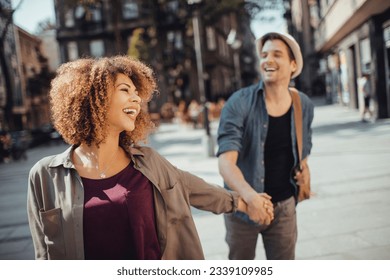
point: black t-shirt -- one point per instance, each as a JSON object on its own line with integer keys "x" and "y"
{"x": 279, "y": 158}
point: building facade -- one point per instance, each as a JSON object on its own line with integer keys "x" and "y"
{"x": 49, "y": 47}
{"x": 349, "y": 38}
{"x": 12, "y": 114}
{"x": 35, "y": 81}
{"x": 161, "y": 33}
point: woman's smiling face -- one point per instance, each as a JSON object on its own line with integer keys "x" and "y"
{"x": 125, "y": 104}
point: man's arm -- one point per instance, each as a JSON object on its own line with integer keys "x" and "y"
{"x": 259, "y": 206}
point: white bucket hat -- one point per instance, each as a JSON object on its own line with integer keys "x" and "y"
{"x": 292, "y": 44}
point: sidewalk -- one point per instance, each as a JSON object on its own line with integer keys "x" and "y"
{"x": 349, "y": 216}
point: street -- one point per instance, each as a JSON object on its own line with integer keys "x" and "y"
{"x": 347, "y": 219}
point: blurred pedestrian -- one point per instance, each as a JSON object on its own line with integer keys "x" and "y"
{"x": 5, "y": 146}
{"x": 366, "y": 89}
{"x": 194, "y": 110}
{"x": 20, "y": 142}
{"x": 181, "y": 113}
{"x": 106, "y": 196}
{"x": 258, "y": 152}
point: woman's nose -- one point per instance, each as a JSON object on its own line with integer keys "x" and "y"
{"x": 136, "y": 98}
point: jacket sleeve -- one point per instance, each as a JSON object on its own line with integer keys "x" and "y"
{"x": 209, "y": 197}
{"x": 34, "y": 220}
{"x": 189, "y": 187}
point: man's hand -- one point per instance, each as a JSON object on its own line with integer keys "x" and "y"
{"x": 260, "y": 208}
{"x": 302, "y": 178}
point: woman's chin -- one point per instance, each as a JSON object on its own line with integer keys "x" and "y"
{"x": 130, "y": 128}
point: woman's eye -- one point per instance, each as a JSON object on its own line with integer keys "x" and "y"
{"x": 125, "y": 90}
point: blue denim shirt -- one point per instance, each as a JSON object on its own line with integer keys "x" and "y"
{"x": 243, "y": 127}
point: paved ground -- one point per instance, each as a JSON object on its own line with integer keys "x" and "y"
{"x": 348, "y": 219}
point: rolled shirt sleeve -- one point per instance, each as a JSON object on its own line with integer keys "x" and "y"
{"x": 231, "y": 126}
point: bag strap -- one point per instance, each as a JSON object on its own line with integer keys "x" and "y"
{"x": 297, "y": 119}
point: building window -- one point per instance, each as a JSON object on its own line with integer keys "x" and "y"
{"x": 79, "y": 12}
{"x": 96, "y": 48}
{"x": 96, "y": 13}
{"x": 386, "y": 36}
{"x": 178, "y": 40}
{"x": 211, "y": 43}
{"x": 73, "y": 52}
{"x": 173, "y": 6}
{"x": 69, "y": 19}
{"x": 175, "y": 40}
{"x": 222, "y": 47}
{"x": 365, "y": 54}
{"x": 130, "y": 9}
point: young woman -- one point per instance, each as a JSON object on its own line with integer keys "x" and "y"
{"x": 106, "y": 197}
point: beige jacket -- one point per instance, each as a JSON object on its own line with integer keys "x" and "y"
{"x": 56, "y": 198}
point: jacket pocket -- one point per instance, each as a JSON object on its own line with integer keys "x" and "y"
{"x": 53, "y": 231}
{"x": 177, "y": 203}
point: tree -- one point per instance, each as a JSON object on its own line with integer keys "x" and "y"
{"x": 45, "y": 25}
{"x": 6, "y": 14}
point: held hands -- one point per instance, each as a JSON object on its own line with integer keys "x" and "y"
{"x": 259, "y": 208}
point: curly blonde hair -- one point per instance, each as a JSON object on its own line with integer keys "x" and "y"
{"x": 79, "y": 98}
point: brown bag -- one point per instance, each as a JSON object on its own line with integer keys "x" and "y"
{"x": 302, "y": 170}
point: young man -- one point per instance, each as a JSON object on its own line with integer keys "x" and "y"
{"x": 258, "y": 152}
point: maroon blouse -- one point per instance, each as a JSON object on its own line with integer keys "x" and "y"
{"x": 119, "y": 221}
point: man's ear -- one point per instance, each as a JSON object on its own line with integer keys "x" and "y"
{"x": 293, "y": 66}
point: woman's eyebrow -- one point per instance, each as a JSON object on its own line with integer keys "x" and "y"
{"x": 123, "y": 84}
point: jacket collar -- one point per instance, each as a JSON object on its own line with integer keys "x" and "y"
{"x": 65, "y": 158}
{"x": 135, "y": 151}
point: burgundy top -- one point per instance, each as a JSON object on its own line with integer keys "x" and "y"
{"x": 119, "y": 221}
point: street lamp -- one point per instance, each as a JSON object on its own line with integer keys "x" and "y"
{"x": 199, "y": 65}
